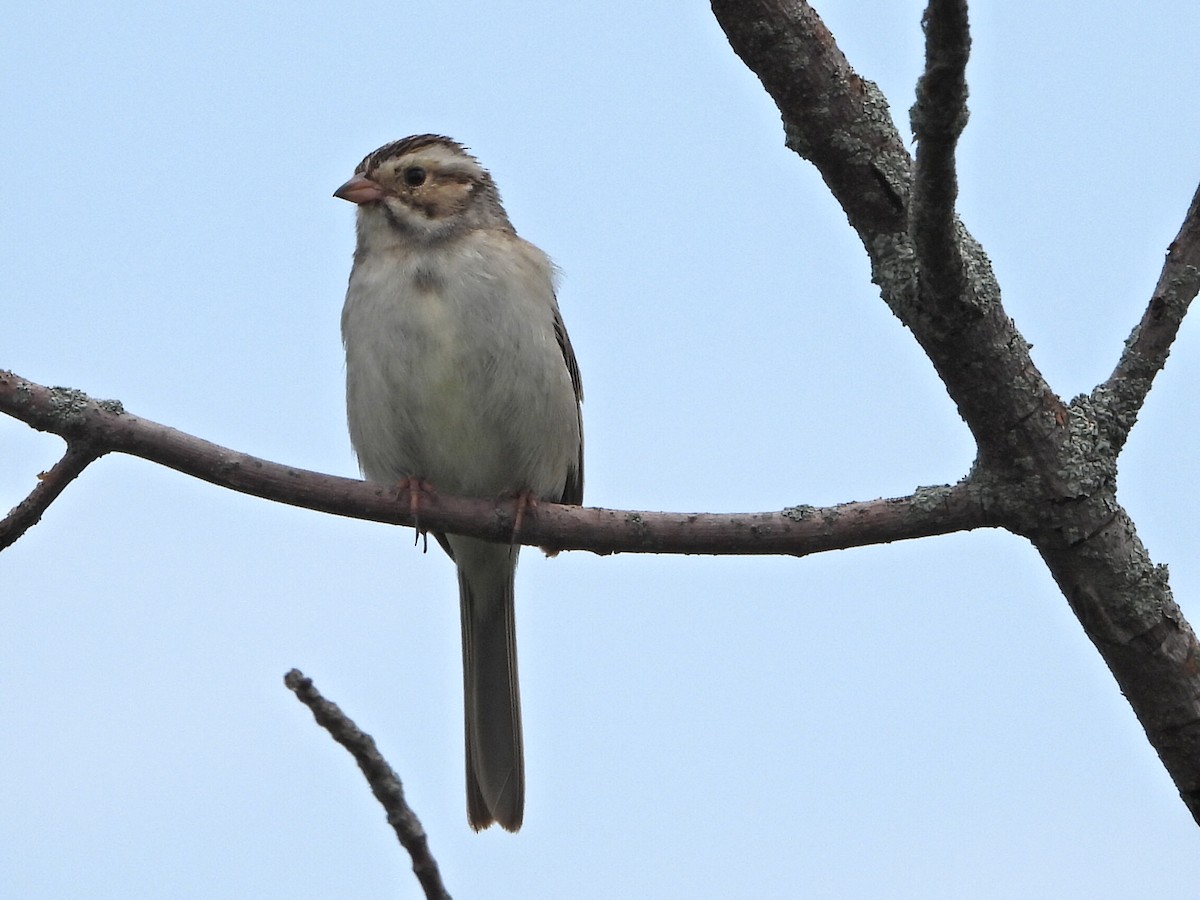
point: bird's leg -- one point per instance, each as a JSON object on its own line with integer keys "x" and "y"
{"x": 415, "y": 488}
{"x": 525, "y": 500}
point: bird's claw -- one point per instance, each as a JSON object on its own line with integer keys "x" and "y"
{"x": 416, "y": 488}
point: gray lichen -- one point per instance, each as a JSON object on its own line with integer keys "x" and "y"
{"x": 799, "y": 513}
{"x": 68, "y": 404}
{"x": 927, "y": 499}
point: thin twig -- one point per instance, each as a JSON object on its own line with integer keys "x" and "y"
{"x": 1147, "y": 348}
{"x": 50, "y": 484}
{"x": 795, "y": 531}
{"x": 385, "y": 783}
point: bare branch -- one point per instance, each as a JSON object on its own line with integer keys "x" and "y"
{"x": 831, "y": 117}
{"x": 1125, "y": 605}
{"x": 385, "y": 783}
{"x": 1146, "y": 350}
{"x": 1049, "y": 469}
{"x": 840, "y": 122}
{"x": 938, "y": 119}
{"x": 50, "y": 484}
{"x": 795, "y": 531}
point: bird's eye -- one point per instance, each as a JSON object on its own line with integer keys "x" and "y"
{"x": 414, "y": 176}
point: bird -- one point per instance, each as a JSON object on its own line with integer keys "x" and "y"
{"x": 460, "y": 378}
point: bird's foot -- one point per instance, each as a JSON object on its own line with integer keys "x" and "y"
{"x": 416, "y": 488}
{"x": 525, "y": 500}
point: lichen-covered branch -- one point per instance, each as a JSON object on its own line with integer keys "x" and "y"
{"x": 840, "y": 122}
{"x": 831, "y": 117}
{"x": 1048, "y": 468}
{"x": 1124, "y": 602}
{"x": 1121, "y": 397}
{"x": 385, "y": 783}
{"x": 938, "y": 118}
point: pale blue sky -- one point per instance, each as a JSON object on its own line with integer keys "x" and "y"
{"x": 921, "y": 720}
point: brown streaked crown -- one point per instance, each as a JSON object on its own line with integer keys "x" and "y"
{"x": 407, "y": 145}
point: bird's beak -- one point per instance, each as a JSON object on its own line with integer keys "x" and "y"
{"x": 360, "y": 189}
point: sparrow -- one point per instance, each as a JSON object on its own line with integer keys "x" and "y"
{"x": 460, "y": 377}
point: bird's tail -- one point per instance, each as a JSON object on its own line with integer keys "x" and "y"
{"x": 492, "y": 700}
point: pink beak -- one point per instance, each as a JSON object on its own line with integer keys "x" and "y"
{"x": 360, "y": 189}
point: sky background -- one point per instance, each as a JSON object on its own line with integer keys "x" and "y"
{"x": 919, "y": 720}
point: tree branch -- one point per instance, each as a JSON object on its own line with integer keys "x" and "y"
{"x": 831, "y": 117}
{"x": 50, "y": 484}
{"x": 840, "y": 122}
{"x": 938, "y": 119}
{"x": 795, "y": 531}
{"x": 1121, "y": 397}
{"x": 1125, "y": 605}
{"x": 1049, "y": 469}
{"x": 385, "y": 783}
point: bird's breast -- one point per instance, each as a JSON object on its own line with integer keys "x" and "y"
{"x": 455, "y": 376}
